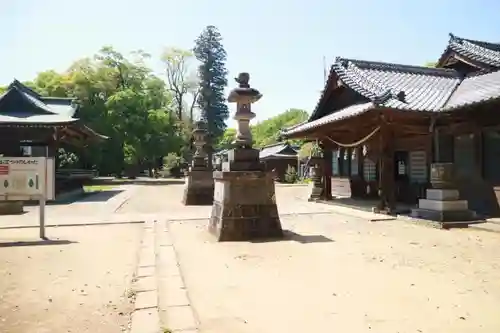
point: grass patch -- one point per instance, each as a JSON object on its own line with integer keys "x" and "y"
{"x": 97, "y": 188}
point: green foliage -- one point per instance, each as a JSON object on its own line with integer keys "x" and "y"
{"x": 66, "y": 159}
{"x": 171, "y": 160}
{"x": 121, "y": 98}
{"x": 431, "y": 64}
{"x": 212, "y": 74}
{"x": 266, "y": 132}
{"x": 291, "y": 175}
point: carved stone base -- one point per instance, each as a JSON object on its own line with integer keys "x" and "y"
{"x": 199, "y": 188}
{"x": 11, "y": 207}
{"x": 315, "y": 192}
{"x": 244, "y": 206}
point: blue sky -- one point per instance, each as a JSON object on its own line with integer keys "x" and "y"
{"x": 280, "y": 43}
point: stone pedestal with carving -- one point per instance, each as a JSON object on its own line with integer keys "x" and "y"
{"x": 244, "y": 206}
{"x": 316, "y": 185}
{"x": 199, "y": 185}
{"x": 198, "y": 188}
{"x": 442, "y": 203}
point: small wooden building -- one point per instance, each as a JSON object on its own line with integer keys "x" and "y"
{"x": 279, "y": 157}
{"x": 381, "y": 125}
{"x": 33, "y": 125}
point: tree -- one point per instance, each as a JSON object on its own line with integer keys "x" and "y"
{"x": 266, "y": 132}
{"x": 179, "y": 79}
{"x": 431, "y": 64}
{"x": 212, "y": 74}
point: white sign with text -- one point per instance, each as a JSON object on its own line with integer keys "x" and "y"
{"x": 23, "y": 178}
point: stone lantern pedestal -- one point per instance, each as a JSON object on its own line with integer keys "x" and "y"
{"x": 442, "y": 203}
{"x": 244, "y": 206}
{"x": 316, "y": 185}
{"x": 199, "y": 185}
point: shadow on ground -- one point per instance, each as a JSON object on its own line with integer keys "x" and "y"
{"x": 96, "y": 196}
{"x": 137, "y": 181}
{"x": 41, "y": 242}
{"x": 289, "y": 235}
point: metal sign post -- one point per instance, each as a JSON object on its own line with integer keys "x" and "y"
{"x": 43, "y": 196}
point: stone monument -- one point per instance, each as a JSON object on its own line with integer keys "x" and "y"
{"x": 244, "y": 206}
{"x": 442, "y": 203}
{"x": 199, "y": 186}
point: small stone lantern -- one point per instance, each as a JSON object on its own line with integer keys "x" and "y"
{"x": 199, "y": 136}
{"x": 316, "y": 177}
{"x": 199, "y": 186}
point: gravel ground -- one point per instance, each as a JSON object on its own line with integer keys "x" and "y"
{"x": 343, "y": 274}
{"x": 77, "y": 284}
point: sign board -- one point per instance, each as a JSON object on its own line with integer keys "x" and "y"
{"x": 25, "y": 178}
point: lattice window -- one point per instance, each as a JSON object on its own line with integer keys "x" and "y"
{"x": 335, "y": 163}
{"x": 369, "y": 170}
{"x": 418, "y": 166}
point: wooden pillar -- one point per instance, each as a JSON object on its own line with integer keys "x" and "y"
{"x": 387, "y": 183}
{"x": 327, "y": 173}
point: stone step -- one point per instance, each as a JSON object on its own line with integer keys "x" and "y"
{"x": 442, "y": 194}
{"x": 450, "y": 216}
{"x": 440, "y": 205}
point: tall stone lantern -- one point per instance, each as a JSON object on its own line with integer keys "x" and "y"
{"x": 199, "y": 185}
{"x": 244, "y": 206}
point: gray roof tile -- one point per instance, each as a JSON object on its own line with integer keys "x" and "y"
{"x": 398, "y": 86}
{"x": 274, "y": 149}
{"x": 403, "y": 87}
{"x": 474, "y": 89}
{"x": 487, "y": 53}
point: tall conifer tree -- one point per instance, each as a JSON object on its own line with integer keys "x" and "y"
{"x": 212, "y": 74}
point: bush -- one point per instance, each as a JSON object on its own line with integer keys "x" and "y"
{"x": 291, "y": 175}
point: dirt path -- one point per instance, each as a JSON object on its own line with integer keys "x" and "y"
{"x": 78, "y": 284}
{"x": 342, "y": 274}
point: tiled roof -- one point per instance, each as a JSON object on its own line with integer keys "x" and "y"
{"x": 484, "y": 52}
{"x": 347, "y": 112}
{"x": 476, "y": 88}
{"x": 275, "y": 150}
{"x": 404, "y": 87}
{"x": 46, "y": 110}
{"x": 398, "y": 86}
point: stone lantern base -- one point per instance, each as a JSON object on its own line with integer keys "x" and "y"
{"x": 11, "y": 207}
{"x": 198, "y": 188}
{"x": 442, "y": 203}
{"x": 244, "y": 206}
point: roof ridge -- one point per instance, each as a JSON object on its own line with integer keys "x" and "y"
{"x": 352, "y": 76}
{"x": 390, "y": 66}
{"x": 274, "y": 144}
{"x": 478, "y": 42}
{"x": 24, "y": 88}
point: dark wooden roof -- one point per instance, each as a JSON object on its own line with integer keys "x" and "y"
{"x": 278, "y": 150}
{"x": 402, "y": 87}
{"x": 21, "y": 106}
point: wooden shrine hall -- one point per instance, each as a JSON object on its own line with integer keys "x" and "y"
{"x": 381, "y": 125}
{"x": 34, "y": 125}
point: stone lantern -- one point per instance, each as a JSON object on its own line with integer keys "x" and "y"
{"x": 199, "y": 184}
{"x": 316, "y": 177}
{"x": 244, "y": 206}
